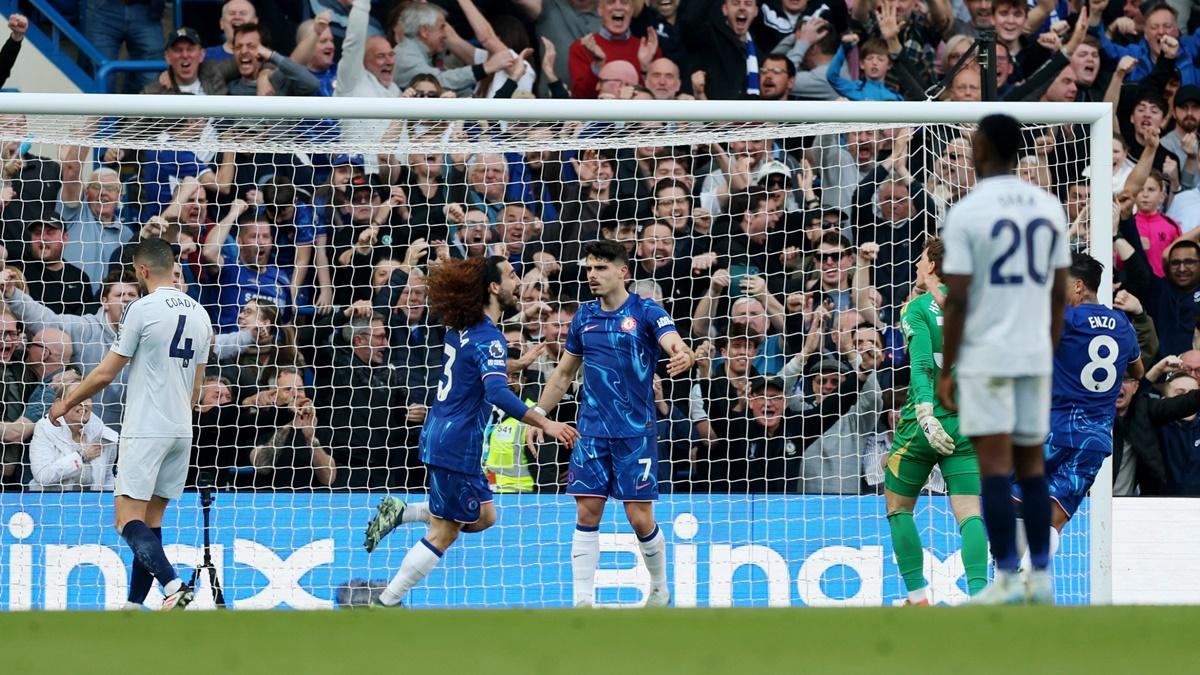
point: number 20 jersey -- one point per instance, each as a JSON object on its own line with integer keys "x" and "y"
{"x": 1098, "y": 343}
{"x": 1010, "y": 237}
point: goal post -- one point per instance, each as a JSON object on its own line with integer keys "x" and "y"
{"x": 805, "y": 527}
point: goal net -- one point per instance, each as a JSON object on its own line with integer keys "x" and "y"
{"x": 782, "y": 241}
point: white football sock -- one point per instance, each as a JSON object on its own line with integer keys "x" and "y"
{"x": 1022, "y": 542}
{"x": 415, "y": 513}
{"x": 418, "y": 562}
{"x": 172, "y": 586}
{"x": 653, "y": 550}
{"x": 585, "y": 556}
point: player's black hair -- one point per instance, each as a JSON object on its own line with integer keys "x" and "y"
{"x": 607, "y": 249}
{"x": 1086, "y": 269}
{"x": 491, "y": 273}
{"x": 156, "y": 254}
{"x": 1003, "y": 134}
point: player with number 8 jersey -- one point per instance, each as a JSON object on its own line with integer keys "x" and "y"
{"x": 1098, "y": 349}
{"x": 164, "y": 338}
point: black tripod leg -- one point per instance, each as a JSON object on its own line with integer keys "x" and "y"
{"x": 218, "y": 594}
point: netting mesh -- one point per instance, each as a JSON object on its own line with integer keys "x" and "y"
{"x": 783, "y": 252}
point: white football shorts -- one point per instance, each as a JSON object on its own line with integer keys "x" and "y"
{"x": 988, "y": 406}
{"x": 152, "y": 467}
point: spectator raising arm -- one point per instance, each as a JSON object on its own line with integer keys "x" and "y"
{"x": 305, "y": 47}
{"x": 1147, "y": 335}
{"x": 17, "y": 25}
{"x": 288, "y": 79}
{"x": 70, "y": 158}
{"x": 351, "y": 70}
{"x": 864, "y": 290}
{"x": 214, "y": 240}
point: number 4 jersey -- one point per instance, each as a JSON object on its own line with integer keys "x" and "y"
{"x": 1098, "y": 343}
{"x": 166, "y": 336}
{"x": 1010, "y": 237}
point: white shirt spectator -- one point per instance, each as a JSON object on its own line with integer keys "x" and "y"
{"x": 58, "y": 461}
{"x": 1185, "y": 209}
{"x": 355, "y": 80}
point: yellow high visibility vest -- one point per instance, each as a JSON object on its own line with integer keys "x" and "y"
{"x": 505, "y": 456}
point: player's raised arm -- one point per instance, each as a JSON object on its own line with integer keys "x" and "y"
{"x": 100, "y": 377}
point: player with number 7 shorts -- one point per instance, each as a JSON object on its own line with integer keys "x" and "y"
{"x": 616, "y": 339}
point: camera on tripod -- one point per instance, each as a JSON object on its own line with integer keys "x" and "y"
{"x": 206, "y": 488}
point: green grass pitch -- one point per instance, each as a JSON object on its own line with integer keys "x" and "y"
{"x": 899, "y": 641}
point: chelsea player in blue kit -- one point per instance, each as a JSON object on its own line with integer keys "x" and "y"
{"x": 469, "y": 297}
{"x": 1098, "y": 349}
{"x": 616, "y": 339}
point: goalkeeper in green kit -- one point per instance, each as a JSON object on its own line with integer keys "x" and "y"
{"x": 928, "y": 435}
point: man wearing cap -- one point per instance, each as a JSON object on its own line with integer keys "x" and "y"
{"x": 764, "y": 446}
{"x": 362, "y": 237}
{"x": 1182, "y": 139}
{"x": 187, "y": 71}
{"x": 63, "y": 288}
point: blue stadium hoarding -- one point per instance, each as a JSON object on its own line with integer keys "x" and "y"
{"x": 295, "y": 550}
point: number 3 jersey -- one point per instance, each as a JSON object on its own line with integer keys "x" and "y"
{"x": 1098, "y": 343}
{"x": 452, "y": 437}
{"x": 1010, "y": 237}
{"x": 166, "y": 336}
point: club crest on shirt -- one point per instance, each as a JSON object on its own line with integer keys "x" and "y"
{"x": 629, "y": 324}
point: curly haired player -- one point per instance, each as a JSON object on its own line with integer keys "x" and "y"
{"x": 468, "y": 296}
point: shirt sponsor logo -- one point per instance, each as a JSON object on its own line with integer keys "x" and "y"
{"x": 629, "y": 324}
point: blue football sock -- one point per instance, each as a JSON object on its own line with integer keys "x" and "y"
{"x": 140, "y": 579}
{"x": 148, "y": 550}
{"x": 1000, "y": 517}
{"x": 1035, "y": 506}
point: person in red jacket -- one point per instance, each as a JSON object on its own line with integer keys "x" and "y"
{"x": 613, "y": 42}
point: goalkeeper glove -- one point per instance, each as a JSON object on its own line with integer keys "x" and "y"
{"x": 934, "y": 432}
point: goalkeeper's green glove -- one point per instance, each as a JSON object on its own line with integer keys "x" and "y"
{"x": 934, "y": 432}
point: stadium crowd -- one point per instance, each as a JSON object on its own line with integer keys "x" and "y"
{"x": 784, "y": 261}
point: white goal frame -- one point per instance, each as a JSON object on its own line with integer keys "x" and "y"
{"x": 1098, "y": 117}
